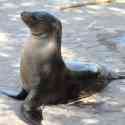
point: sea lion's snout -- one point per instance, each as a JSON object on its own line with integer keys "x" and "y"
{"x": 28, "y": 18}
{"x": 26, "y": 15}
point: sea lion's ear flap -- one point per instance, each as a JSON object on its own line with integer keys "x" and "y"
{"x": 54, "y": 25}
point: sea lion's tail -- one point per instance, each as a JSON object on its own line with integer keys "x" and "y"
{"x": 21, "y": 96}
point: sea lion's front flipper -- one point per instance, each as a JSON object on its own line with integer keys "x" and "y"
{"x": 33, "y": 117}
{"x": 21, "y": 96}
{"x": 31, "y": 107}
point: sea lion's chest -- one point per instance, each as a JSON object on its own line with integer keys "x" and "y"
{"x": 35, "y": 60}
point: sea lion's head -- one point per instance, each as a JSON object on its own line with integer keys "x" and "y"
{"x": 41, "y": 22}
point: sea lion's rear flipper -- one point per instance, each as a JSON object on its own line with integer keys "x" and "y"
{"x": 111, "y": 74}
{"x": 117, "y": 75}
{"x": 21, "y": 96}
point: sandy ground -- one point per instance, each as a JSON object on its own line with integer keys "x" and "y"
{"x": 90, "y": 34}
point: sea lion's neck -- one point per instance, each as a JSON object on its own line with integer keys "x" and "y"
{"x": 49, "y": 42}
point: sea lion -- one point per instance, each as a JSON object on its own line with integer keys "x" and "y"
{"x": 46, "y": 78}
